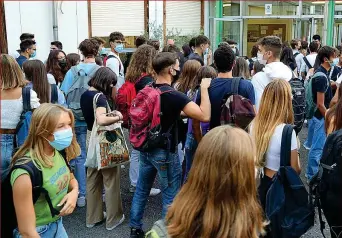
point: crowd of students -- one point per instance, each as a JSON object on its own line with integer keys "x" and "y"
{"x": 214, "y": 178}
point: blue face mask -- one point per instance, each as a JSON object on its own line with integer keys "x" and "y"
{"x": 336, "y": 61}
{"x": 33, "y": 54}
{"x": 62, "y": 140}
{"x": 103, "y": 51}
{"x": 119, "y": 48}
{"x": 206, "y": 51}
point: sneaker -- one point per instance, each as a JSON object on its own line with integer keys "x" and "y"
{"x": 154, "y": 192}
{"x": 137, "y": 233}
{"x": 81, "y": 201}
{"x": 98, "y": 223}
{"x": 123, "y": 166}
{"x": 117, "y": 224}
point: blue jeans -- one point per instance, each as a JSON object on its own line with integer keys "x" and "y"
{"x": 7, "y": 146}
{"x": 169, "y": 173}
{"x": 315, "y": 153}
{"x": 190, "y": 149}
{"x": 78, "y": 163}
{"x": 53, "y": 229}
{"x": 308, "y": 141}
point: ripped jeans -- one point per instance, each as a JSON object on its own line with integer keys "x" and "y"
{"x": 167, "y": 166}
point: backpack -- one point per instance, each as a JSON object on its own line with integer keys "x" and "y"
{"x": 78, "y": 87}
{"x": 7, "y": 204}
{"x": 146, "y": 133}
{"x": 311, "y": 106}
{"x": 124, "y": 99}
{"x": 23, "y": 125}
{"x": 325, "y": 186}
{"x": 298, "y": 103}
{"x": 236, "y": 110}
{"x": 158, "y": 230}
{"x": 54, "y": 94}
{"x": 287, "y": 204}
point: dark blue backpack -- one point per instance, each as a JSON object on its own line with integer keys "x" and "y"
{"x": 287, "y": 205}
{"x": 23, "y": 126}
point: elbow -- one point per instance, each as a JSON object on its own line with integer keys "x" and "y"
{"x": 205, "y": 118}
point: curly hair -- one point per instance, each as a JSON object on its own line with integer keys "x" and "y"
{"x": 89, "y": 47}
{"x": 141, "y": 63}
{"x": 52, "y": 66}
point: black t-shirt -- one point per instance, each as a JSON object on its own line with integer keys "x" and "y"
{"x": 172, "y": 103}
{"x": 87, "y": 106}
{"x": 218, "y": 89}
{"x": 195, "y": 56}
{"x": 143, "y": 82}
{"x": 321, "y": 84}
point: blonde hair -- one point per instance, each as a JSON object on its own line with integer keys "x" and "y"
{"x": 275, "y": 109}
{"x": 220, "y": 197}
{"x": 11, "y": 76}
{"x": 44, "y": 120}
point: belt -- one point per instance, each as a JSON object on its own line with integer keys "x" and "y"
{"x": 8, "y": 131}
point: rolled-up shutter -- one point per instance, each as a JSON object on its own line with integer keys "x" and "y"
{"x": 184, "y": 16}
{"x": 126, "y": 17}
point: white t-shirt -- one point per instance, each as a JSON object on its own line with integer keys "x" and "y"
{"x": 273, "y": 152}
{"x": 116, "y": 65}
{"x": 311, "y": 58}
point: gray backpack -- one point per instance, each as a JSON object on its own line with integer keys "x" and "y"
{"x": 78, "y": 87}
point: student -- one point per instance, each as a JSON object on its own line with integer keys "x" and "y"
{"x": 269, "y": 55}
{"x": 102, "y": 50}
{"x": 175, "y": 49}
{"x": 27, "y": 51}
{"x": 24, "y": 36}
{"x": 153, "y": 162}
{"x": 322, "y": 95}
{"x": 274, "y": 113}
{"x": 257, "y": 67}
{"x": 11, "y": 102}
{"x": 304, "y": 48}
{"x": 254, "y": 57}
{"x": 317, "y": 39}
{"x": 296, "y": 46}
{"x": 309, "y": 61}
{"x": 224, "y": 58}
{"x": 73, "y": 59}
{"x": 220, "y": 197}
{"x": 35, "y": 73}
{"x": 241, "y": 69}
{"x": 116, "y": 42}
{"x": 233, "y": 45}
{"x": 56, "y": 66}
{"x": 140, "y": 72}
{"x": 201, "y": 47}
{"x": 51, "y": 131}
{"x": 192, "y": 44}
{"x": 287, "y": 58}
{"x": 56, "y": 45}
{"x": 186, "y": 51}
{"x": 102, "y": 82}
{"x": 89, "y": 49}
{"x": 140, "y": 41}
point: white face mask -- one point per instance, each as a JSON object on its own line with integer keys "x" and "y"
{"x": 261, "y": 59}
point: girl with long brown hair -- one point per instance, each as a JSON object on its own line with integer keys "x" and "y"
{"x": 220, "y": 197}
{"x": 241, "y": 69}
{"x": 35, "y": 73}
{"x": 56, "y": 66}
{"x": 51, "y": 131}
{"x": 186, "y": 79}
{"x": 141, "y": 73}
{"x": 274, "y": 113}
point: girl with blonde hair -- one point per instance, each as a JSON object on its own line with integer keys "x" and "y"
{"x": 12, "y": 85}
{"x": 51, "y": 131}
{"x": 274, "y": 113}
{"x": 219, "y": 198}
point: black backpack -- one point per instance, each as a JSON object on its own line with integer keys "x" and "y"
{"x": 8, "y": 215}
{"x": 298, "y": 102}
{"x": 326, "y": 185}
{"x": 287, "y": 204}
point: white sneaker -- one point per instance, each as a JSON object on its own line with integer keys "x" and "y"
{"x": 81, "y": 201}
{"x": 92, "y": 225}
{"x": 154, "y": 192}
{"x": 117, "y": 224}
{"x": 123, "y": 166}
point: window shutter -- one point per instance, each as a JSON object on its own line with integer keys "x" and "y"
{"x": 126, "y": 17}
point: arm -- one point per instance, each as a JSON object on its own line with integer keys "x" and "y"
{"x": 334, "y": 99}
{"x": 23, "y": 203}
{"x": 320, "y": 103}
{"x": 202, "y": 112}
{"x": 196, "y": 128}
{"x": 295, "y": 164}
{"x": 66, "y": 84}
{"x": 103, "y": 119}
{"x": 70, "y": 199}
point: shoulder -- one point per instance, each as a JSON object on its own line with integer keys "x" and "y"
{"x": 16, "y": 174}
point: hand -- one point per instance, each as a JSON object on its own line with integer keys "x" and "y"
{"x": 205, "y": 83}
{"x": 69, "y": 202}
{"x": 117, "y": 113}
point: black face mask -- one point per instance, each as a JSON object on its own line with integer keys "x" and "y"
{"x": 62, "y": 63}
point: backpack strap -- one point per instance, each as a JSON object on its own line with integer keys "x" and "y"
{"x": 113, "y": 56}
{"x": 235, "y": 85}
{"x": 26, "y": 95}
{"x": 295, "y": 54}
{"x": 54, "y": 93}
{"x": 285, "y": 151}
{"x": 93, "y": 71}
{"x": 307, "y": 62}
